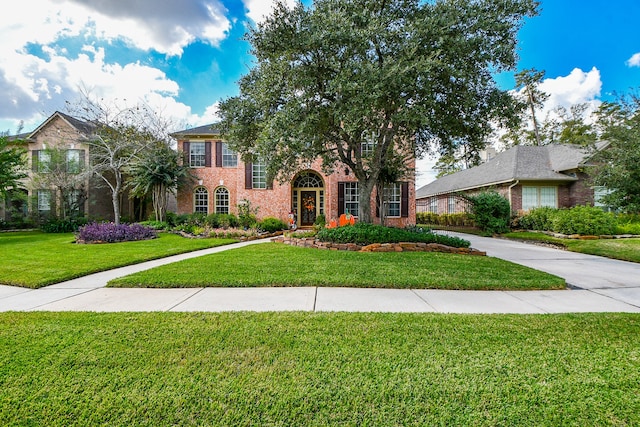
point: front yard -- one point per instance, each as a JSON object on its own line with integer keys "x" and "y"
{"x": 34, "y": 259}
{"x": 318, "y": 369}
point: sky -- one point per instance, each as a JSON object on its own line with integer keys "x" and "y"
{"x": 182, "y": 57}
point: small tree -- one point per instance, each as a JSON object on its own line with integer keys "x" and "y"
{"x": 159, "y": 171}
{"x": 12, "y": 165}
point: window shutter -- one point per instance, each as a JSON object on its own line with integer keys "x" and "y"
{"x": 378, "y": 204}
{"x": 248, "y": 176}
{"x": 404, "y": 200}
{"x": 81, "y": 163}
{"x": 340, "y": 198}
{"x": 269, "y": 182}
{"x": 218, "y": 154}
{"x": 207, "y": 154}
{"x": 187, "y": 157}
{"x": 34, "y": 160}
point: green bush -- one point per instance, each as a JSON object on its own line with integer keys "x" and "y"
{"x": 367, "y": 234}
{"x": 156, "y": 225}
{"x": 66, "y": 225}
{"x": 628, "y": 224}
{"x": 491, "y": 212}
{"x": 451, "y": 220}
{"x": 218, "y": 220}
{"x": 539, "y": 219}
{"x": 584, "y": 220}
{"x": 271, "y": 225}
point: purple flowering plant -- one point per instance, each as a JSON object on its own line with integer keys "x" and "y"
{"x": 108, "y": 232}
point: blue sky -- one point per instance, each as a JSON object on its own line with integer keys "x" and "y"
{"x": 182, "y": 57}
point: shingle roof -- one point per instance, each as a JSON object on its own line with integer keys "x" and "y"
{"x": 205, "y": 130}
{"x": 525, "y": 163}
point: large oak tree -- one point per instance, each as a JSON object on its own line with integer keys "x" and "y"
{"x": 401, "y": 77}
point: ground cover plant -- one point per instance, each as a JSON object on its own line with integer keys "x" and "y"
{"x": 108, "y": 232}
{"x": 34, "y": 259}
{"x": 276, "y": 264}
{"x": 622, "y": 249}
{"x": 317, "y": 369}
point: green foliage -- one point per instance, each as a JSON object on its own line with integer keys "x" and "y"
{"x": 619, "y": 160}
{"x": 628, "y": 224}
{"x": 12, "y": 164}
{"x": 63, "y": 225}
{"x": 218, "y": 220}
{"x": 320, "y": 221}
{"x": 156, "y": 225}
{"x": 247, "y": 214}
{"x": 271, "y": 225}
{"x": 366, "y": 234}
{"x": 446, "y": 220}
{"x": 491, "y": 212}
{"x": 396, "y": 77}
{"x": 584, "y": 220}
{"x": 540, "y": 219}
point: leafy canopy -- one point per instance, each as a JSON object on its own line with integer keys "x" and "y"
{"x": 398, "y": 77}
{"x": 12, "y": 164}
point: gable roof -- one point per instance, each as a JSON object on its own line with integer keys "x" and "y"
{"x": 206, "y": 130}
{"x": 522, "y": 162}
{"x": 84, "y": 128}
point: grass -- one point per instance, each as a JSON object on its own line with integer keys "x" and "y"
{"x": 35, "y": 259}
{"x": 318, "y": 369}
{"x": 623, "y": 249}
{"x": 274, "y": 264}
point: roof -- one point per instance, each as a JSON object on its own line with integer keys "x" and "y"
{"x": 85, "y": 128}
{"x": 206, "y": 130}
{"x": 522, "y": 162}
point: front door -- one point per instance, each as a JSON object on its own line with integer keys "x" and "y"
{"x": 308, "y": 208}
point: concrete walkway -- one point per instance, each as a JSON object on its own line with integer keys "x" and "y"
{"x": 598, "y": 285}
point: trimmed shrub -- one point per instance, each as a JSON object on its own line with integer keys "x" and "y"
{"x": 67, "y": 225}
{"x": 539, "y": 219}
{"x": 366, "y": 234}
{"x": 585, "y": 220}
{"x": 108, "y": 232}
{"x": 271, "y": 225}
{"x": 491, "y": 212}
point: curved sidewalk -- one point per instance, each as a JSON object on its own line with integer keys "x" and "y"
{"x": 599, "y": 285}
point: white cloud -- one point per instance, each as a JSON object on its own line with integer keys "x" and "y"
{"x": 576, "y": 88}
{"x": 634, "y": 61}
{"x": 258, "y": 10}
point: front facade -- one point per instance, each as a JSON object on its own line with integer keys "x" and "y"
{"x": 223, "y": 182}
{"x": 61, "y": 190}
{"x": 527, "y": 176}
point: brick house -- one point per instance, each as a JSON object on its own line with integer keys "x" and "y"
{"x": 91, "y": 199}
{"x": 528, "y": 176}
{"x": 223, "y": 181}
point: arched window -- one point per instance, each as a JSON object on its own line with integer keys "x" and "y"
{"x": 201, "y": 200}
{"x": 222, "y": 200}
{"x": 308, "y": 180}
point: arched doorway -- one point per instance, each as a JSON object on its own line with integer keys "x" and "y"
{"x": 307, "y": 198}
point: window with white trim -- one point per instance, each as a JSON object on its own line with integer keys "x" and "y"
{"x": 392, "y": 199}
{"x": 259, "y": 174}
{"x": 451, "y": 204}
{"x": 73, "y": 161}
{"x": 368, "y": 144}
{"x": 433, "y": 204}
{"x": 229, "y": 157}
{"x": 44, "y": 161}
{"x": 44, "y": 201}
{"x": 351, "y": 198}
{"x": 197, "y": 154}
{"x": 537, "y": 197}
{"x": 222, "y": 200}
{"x": 201, "y": 200}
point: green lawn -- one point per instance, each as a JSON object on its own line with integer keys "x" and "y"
{"x": 34, "y": 259}
{"x": 314, "y": 369}
{"x": 624, "y": 249}
{"x": 276, "y": 264}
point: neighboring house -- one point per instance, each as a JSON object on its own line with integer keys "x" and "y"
{"x": 89, "y": 197}
{"x": 223, "y": 181}
{"x": 528, "y": 176}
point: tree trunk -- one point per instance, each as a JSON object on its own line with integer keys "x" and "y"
{"x": 115, "y": 199}
{"x": 365, "y": 189}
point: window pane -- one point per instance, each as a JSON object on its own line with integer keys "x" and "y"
{"x": 44, "y": 161}
{"x": 351, "y": 198}
{"x": 196, "y": 154}
{"x": 201, "y": 200}
{"x": 548, "y": 197}
{"x": 44, "y": 200}
{"x": 229, "y": 157}
{"x": 73, "y": 161}
{"x": 392, "y": 199}
{"x": 222, "y": 201}
{"x": 529, "y": 198}
{"x": 259, "y": 175}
